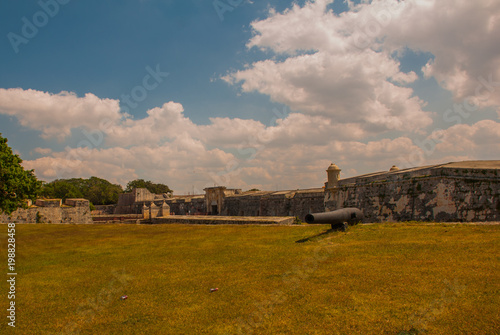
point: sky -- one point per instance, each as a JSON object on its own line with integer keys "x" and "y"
{"x": 247, "y": 94}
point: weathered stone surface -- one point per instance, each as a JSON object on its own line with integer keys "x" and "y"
{"x": 74, "y": 211}
{"x": 48, "y": 202}
{"x": 460, "y": 191}
{"x": 104, "y": 210}
{"x": 441, "y": 193}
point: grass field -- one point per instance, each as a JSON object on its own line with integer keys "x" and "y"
{"x": 374, "y": 279}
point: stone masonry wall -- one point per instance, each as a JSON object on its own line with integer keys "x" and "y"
{"x": 78, "y": 213}
{"x": 187, "y": 206}
{"x": 434, "y": 194}
{"x": 284, "y": 203}
{"x": 457, "y": 191}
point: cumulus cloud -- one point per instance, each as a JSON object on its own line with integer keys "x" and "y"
{"x": 226, "y": 132}
{"x": 56, "y": 114}
{"x": 162, "y": 124}
{"x": 350, "y": 70}
{"x": 303, "y": 166}
{"x": 478, "y": 141}
{"x": 481, "y": 139}
{"x": 175, "y": 164}
{"x": 352, "y": 88}
{"x": 43, "y": 151}
{"x": 339, "y": 74}
{"x": 282, "y": 156}
{"x": 338, "y": 80}
{"x": 462, "y": 37}
{"x": 166, "y": 146}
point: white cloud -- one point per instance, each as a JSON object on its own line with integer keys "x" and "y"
{"x": 481, "y": 140}
{"x": 353, "y": 72}
{"x": 162, "y": 124}
{"x": 43, "y": 151}
{"x": 226, "y": 132}
{"x": 349, "y": 88}
{"x": 174, "y": 163}
{"x": 303, "y": 165}
{"x": 462, "y": 35}
{"x": 167, "y": 147}
{"x": 340, "y": 76}
{"x": 339, "y": 80}
{"x": 56, "y": 114}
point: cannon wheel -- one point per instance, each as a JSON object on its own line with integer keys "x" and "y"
{"x": 342, "y": 227}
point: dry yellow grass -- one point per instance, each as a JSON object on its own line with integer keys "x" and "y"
{"x": 374, "y": 279}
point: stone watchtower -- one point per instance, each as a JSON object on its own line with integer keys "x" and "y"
{"x": 332, "y": 187}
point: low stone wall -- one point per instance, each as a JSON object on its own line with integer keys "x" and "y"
{"x": 117, "y": 218}
{"x": 48, "y": 212}
{"x": 212, "y": 220}
{"x": 104, "y": 210}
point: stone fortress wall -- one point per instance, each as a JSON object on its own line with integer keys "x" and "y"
{"x": 51, "y": 211}
{"x": 460, "y": 191}
{"x": 228, "y": 202}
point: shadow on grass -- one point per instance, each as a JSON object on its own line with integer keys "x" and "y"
{"x": 318, "y": 236}
{"x": 412, "y": 331}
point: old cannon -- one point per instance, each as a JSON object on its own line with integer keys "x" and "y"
{"x": 339, "y": 219}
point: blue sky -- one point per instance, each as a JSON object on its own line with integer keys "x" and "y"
{"x": 259, "y": 94}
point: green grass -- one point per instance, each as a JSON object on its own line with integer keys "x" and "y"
{"x": 375, "y": 279}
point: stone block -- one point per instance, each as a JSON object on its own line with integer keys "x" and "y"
{"x": 48, "y": 202}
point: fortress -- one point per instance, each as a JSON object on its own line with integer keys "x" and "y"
{"x": 459, "y": 192}
{"x": 453, "y": 192}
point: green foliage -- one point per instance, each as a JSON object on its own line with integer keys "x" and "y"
{"x": 61, "y": 189}
{"x": 16, "y": 184}
{"x": 102, "y": 192}
{"x": 152, "y": 187}
{"x": 254, "y": 190}
{"x": 98, "y": 191}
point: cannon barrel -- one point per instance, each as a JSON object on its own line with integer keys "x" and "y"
{"x": 339, "y": 216}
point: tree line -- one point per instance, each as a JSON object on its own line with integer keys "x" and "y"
{"x": 98, "y": 191}
{"x": 18, "y": 185}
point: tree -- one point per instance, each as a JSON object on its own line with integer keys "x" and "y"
{"x": 62, "y": 189}
{"x": 16, "y": 184}
{"x": 98, "y": 191}
{"x": 102, "y": 192}
{"x": 152, "y": 187}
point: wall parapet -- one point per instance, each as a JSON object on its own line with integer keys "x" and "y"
{"x": 442, "y": 193}
{"x": 52, "y": 211}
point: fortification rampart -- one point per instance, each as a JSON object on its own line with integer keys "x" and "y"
{"x": 441, "y": 193}
{"x": 282, "y": 203}
{"x": 461, "y": 191}
{"x": 52, "y": 211}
